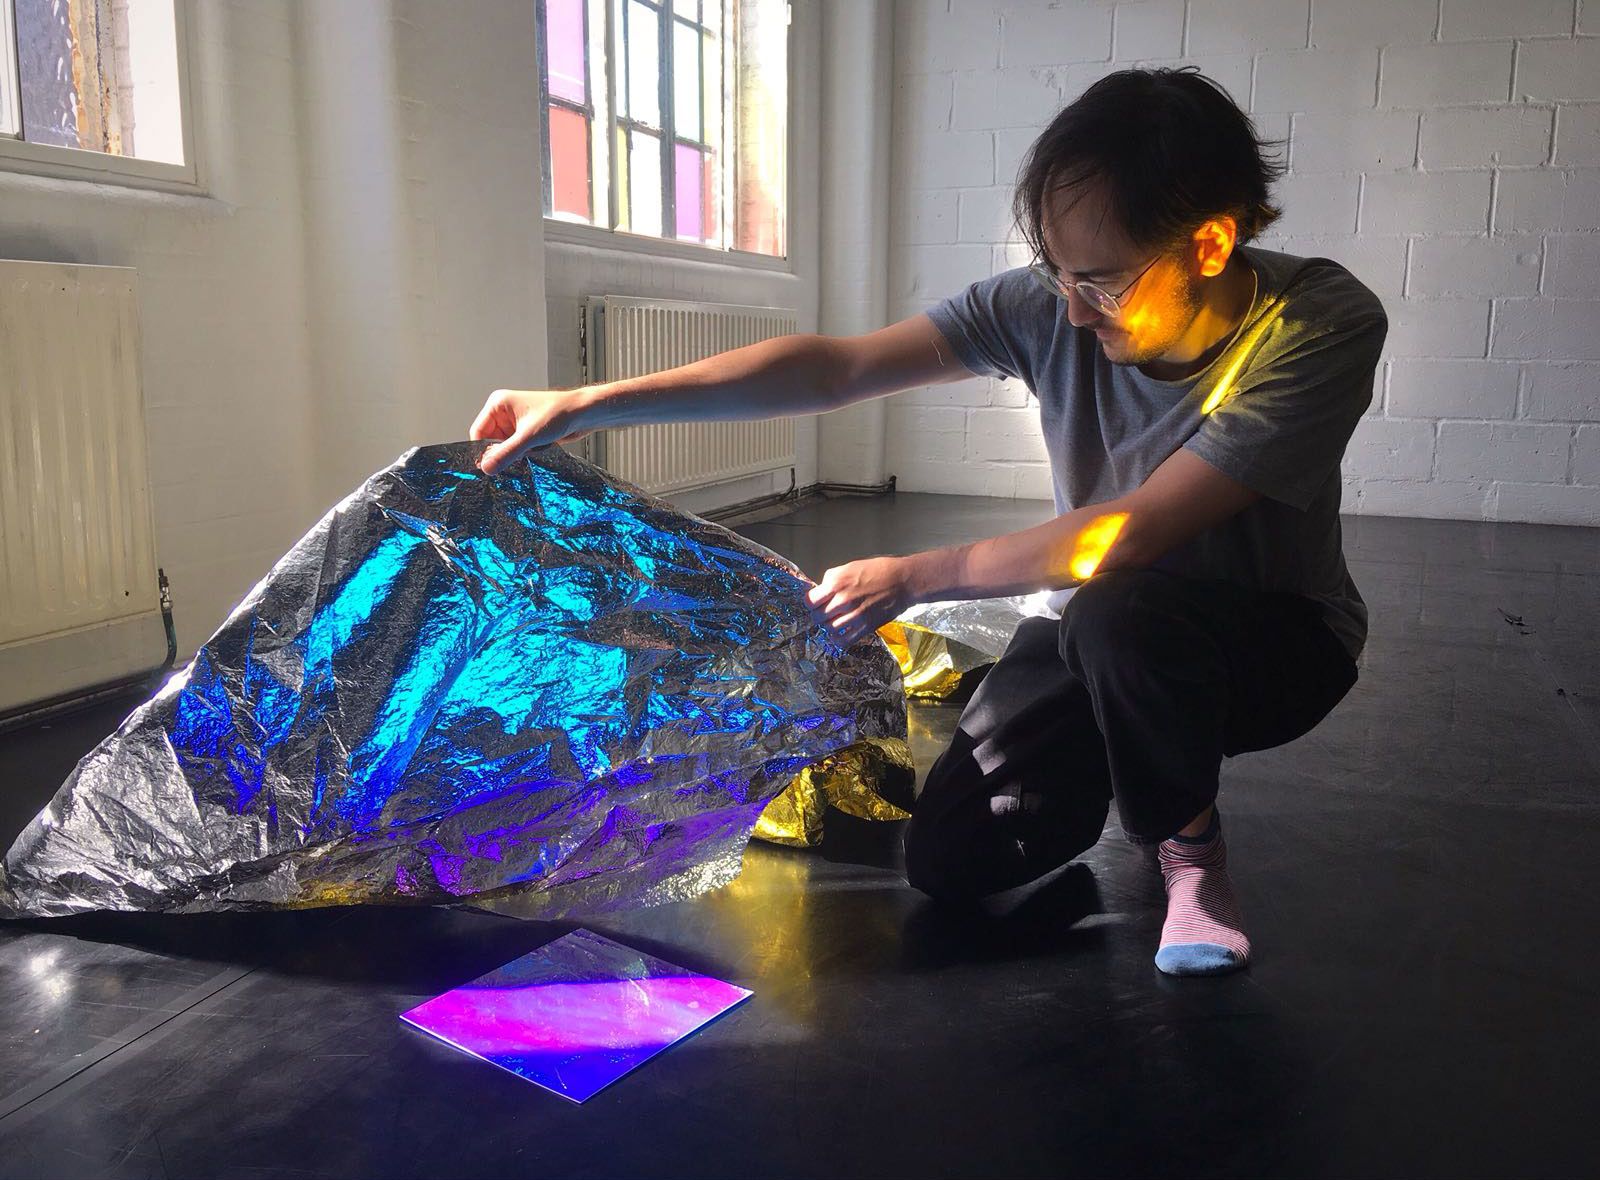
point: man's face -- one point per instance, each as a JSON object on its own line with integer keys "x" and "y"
{"x": 1084, "y": 241}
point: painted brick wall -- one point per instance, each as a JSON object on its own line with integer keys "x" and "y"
{"x": 1446, "y": 151}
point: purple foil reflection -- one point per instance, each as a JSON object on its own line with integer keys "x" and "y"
{"x": 576, "y": 1014}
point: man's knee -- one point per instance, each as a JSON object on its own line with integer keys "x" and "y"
{"x": 932, "y": 863}
{"x": 1107, "y": 616}
{"x": 921, "y": 865}
{"x": 989, "y": 843}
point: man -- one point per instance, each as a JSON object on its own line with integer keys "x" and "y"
{"x": 1196, "y": 396}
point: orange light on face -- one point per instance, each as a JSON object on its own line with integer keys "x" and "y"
{"x": 1093, "y": 542}
{"x": 1140, "y": 323}
{"x": 1145, "y": 315}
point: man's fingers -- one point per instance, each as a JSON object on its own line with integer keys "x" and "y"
{"x": 491, "y": 460}
{"x": 505, "y": 452}
{"x": 859, "y": 623}
{"x": 522, "y": 440}
{"x": 483, "y": 424}
{"x": 836, "y": 605}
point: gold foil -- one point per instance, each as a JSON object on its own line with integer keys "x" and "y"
{"x": 935, "y": 644}
{"x": 855, "y": 780}
{"x": 931, "y": 666}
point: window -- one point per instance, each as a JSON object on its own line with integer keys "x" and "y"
{"x": 93, "y": 84}
{"x": 668, "y": 118}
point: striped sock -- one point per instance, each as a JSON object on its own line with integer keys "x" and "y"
{"x": 1202, "y": 934}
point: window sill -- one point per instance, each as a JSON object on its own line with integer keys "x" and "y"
{"x": 572, "y": 233}
{"x": 39, "y": 159}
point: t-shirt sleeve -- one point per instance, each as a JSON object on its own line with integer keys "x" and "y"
{"x": 1283, "y": 427}
{"x": 995, "y": 325}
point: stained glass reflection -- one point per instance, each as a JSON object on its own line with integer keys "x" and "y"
{"x": 688, "y": 190}
{"x": 564, "y": 46}
{"x": 569, "y": 162}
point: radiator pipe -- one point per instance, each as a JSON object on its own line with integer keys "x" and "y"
{"x": 796, "y": 496}
{"x": 886, "y": 488}
{"x": 166, "y": 621}
{"x": 72, "y": 702}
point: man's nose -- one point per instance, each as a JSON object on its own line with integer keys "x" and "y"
{"x": 1080, "y": 313}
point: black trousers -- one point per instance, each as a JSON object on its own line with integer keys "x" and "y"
{"x": 1147, "y": 681}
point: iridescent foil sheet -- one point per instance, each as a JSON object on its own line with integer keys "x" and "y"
{"x": 936, "y": 644}
{"x": 576, "y": 1014}
{"x": 543, "y": 685}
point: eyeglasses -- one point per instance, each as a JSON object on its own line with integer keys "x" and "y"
{"x": 1097, "y": 297}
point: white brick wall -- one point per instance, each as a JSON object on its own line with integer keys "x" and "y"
{"x": 1447, "y": 151}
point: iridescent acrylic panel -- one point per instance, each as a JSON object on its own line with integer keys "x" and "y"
{"x": 576, "y": 1014}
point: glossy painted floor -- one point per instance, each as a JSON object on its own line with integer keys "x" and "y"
{"x": 1418, "y": 875}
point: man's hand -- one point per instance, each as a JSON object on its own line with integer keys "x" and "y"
{"x": 521, "y": 419}
{"x": 854, "y": 600}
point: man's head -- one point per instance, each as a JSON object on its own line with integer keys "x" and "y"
{"x": 1148, "y": 168}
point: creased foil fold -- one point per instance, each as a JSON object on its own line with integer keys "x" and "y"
{"x": 544, "y": 685}
{"x": 938, "y": 643}
{"x": 864, "y": 780}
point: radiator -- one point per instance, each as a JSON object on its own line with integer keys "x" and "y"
{"x": 79, "y": 603}
{"x": 624, "y": 337}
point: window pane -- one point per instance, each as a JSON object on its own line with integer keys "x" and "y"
{"x": 563, "y": 30}
{"x": 711, "y": 14}
{"x": 100, "y": 77}
{"x": 688, "y": 192}
{"x": 569, "y": 163}
{"x": 644, "y": 183}
{"x": 644, "y": 64}
{"x": 712, "y": 81}
{"x": 620, "y": 155}
{"x": 686, "y": 80}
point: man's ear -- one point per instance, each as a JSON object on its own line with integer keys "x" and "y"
{"x": 1213, "y": 244}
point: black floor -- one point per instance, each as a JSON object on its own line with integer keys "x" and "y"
{"x": 1418, "y": 875}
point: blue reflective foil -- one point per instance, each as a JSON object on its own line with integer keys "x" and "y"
{"x": 544, "y": 691}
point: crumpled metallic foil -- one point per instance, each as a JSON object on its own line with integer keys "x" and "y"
{"x": 936, "y": 644}
{"x": 861, "y": 780}
{"x": 543, "y": 686}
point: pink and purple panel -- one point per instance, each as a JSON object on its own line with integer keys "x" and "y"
{"x": 563, "y": 31}
{"x": 576, "y": 1014}
{"x": 688, "y": 186}
{"x": 569, "y": 162}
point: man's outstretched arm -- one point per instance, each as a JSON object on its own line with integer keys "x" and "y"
{"x": 801, "y": 374}
{"x": 1183, "y": 498}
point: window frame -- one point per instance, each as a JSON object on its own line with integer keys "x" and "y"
{"x": 17, "y": 155}
{"x": 587, "y": 109}
{"x": 577, "y": 233}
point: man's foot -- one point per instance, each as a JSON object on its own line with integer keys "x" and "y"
{"x": 1202, "y": 934}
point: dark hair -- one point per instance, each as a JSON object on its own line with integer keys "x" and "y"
{"x": 1173, "y": 149}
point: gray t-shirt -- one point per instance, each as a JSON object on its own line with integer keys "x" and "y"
{"x": 1273, "y": 411}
